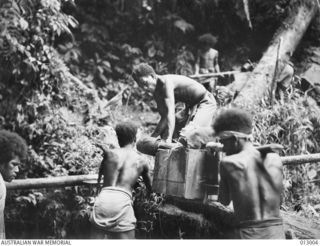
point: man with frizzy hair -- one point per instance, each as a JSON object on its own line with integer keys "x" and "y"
{"x": 113, "y": 216}
{"x": 13, "y": 150}
{"x": 207, "y": 59}
{"x": 169, "y": 89}
{"x": 250, "y": 178}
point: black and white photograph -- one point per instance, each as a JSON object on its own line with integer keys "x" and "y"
{"x": 159, "y": 120}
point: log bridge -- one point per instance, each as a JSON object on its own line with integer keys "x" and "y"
{"x": 213, "y": 213}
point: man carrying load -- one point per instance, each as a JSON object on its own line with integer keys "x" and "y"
{"x": 250, "y": 178}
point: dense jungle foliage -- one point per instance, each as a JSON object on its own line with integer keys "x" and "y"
{"x": 65, "y": 80}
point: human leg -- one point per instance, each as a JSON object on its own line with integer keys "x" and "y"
{"x": 123, "y": 235}
{"x": 205, "y": 111}
{"x": 96, "y": 233}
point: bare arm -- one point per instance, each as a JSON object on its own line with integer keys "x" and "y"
{"x": 216, "y": 63}
{"x": 197, "y": 68}
{"x": 166, "y": 110}
{"x": 146, "y": 178}
{"x": 159, "y": 128}
{"x": 224, "y": 193}
{"x": 197, "y": 64}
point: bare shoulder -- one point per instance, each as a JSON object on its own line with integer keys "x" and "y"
{"x": 112, "y": 153}
{"x": 169, "y": 79}
{"x": 133, "y": 156}
{"x": 163, "y": 80}
{"x": 242, "y": 159}
{"x": 162, "y": 85}
{"x": 273, "y": 159}
{"x": 142, "y": 159}
{"x": 232, "y": 162}
{"x": 213, "y": 52}
{"x": 227, "y": 160}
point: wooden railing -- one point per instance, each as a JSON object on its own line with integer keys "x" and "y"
{"x": 39, "y": 183}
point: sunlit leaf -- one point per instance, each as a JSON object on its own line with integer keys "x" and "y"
{"x": 24, "y": 24}
{"x": 183, "y": 25}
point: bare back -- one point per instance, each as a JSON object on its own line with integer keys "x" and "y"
{"x": 254, "y": 183}
{"x": 122, "y": 167}
{"x": 186, "y": 90}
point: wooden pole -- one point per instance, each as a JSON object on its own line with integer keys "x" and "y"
{"x": 300, "y": 159}
{"x": 39, "y": 183}
{"x": 206, "y": 75}
{"x": 275, "y": 75}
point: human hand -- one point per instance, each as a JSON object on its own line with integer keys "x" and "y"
{"x": 214, "y": 147}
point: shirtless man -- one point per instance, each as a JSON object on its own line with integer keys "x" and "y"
{"x": 169, "y": 89}
{"x": 207, "y": 59}
{"x": 13, "y": 150}
{"x": 250, "y": 178}
{"x": 113, "y": 214}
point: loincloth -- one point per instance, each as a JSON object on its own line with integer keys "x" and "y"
{"x": 113, "y": 211}
{"x": 260, "y": 229}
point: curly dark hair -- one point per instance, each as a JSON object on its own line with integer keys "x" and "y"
{"x": 233, "y": 119}
{"x": 208, "y": 40}
{"x": 143, "y": 69}
{"x": 126, "y": 133}
{"x": 11, "y": 144}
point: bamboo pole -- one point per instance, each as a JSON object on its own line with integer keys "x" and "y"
{"x": 39, "y": 183}
{"x": 300, "y": 159}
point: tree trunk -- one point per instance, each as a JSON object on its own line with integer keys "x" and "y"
{"x": 292, "y": 30}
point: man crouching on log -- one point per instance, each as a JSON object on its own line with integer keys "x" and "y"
{"x": 169, "y": 89}
{"x": 252, "y": 179}
{"x": 112, "y": 213}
